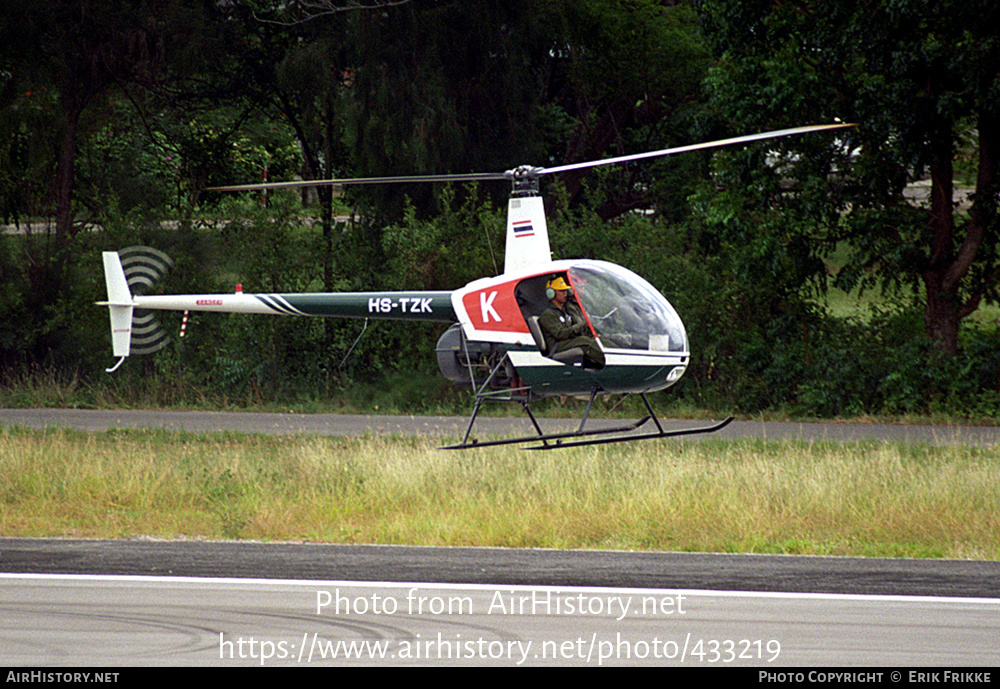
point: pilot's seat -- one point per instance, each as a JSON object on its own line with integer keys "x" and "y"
{"x": 572, "y": 356}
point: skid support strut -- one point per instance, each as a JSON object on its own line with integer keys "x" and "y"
{"x": 580, "y": 437}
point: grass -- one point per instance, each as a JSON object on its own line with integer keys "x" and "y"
{"x": 874, "y": 499}
{"x": 860, "y": 304}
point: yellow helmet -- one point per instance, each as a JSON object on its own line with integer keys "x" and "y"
{"x": 557, "y": 284}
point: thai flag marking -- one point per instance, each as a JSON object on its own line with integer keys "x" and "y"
{"x": 523, "y": 228}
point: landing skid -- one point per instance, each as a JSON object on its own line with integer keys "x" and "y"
{"x": 581, "y": 437}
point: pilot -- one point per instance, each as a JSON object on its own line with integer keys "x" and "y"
{"x": 563, "y": 322}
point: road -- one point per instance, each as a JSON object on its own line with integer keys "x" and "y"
{"x": 360, "y": 425}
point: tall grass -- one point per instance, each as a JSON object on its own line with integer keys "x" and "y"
{"x": 875, "y": 499}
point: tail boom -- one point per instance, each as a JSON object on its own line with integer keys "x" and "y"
{"x": 412, "y": 306}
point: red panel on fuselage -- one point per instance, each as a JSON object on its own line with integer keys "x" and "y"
{"x": 494, "y": 309}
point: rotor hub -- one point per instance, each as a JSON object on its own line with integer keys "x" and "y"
{"x": 524, "y": 180}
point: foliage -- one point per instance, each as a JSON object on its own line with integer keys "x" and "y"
{"x": 628, "y": 76}
{"x": 922, "y": 80}
{"x": 184, "y": 95}
{"x": 461, "y": 243}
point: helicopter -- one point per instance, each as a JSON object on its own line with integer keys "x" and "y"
{"x": 495, "y": 341}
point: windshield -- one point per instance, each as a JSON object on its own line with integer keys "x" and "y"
{"x": 625, "y": 310}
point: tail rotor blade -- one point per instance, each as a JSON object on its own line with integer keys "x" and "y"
{"x": 145, "y": 266}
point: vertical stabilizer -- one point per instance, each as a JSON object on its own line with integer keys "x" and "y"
{"x": 120, "y": 304}
{"x": 527, "y": 234}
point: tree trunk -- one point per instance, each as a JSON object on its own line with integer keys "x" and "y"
{"x": 72, "y": 106}
{"x": 941, "y": 316}
{"x": 47, "y": 279}
{"x": 941, "y": 309}
{"x": 949, "y": 264}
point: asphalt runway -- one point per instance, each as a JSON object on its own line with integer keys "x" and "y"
{"x": 136, "y": 603}
{"x": 117, "y": 622}
{"x": 133, "y": 603}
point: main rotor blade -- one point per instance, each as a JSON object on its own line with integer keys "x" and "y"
{"x": 694, "y": 147}
{"x": 468, "y": 177}
{"x": 528, "y": 171}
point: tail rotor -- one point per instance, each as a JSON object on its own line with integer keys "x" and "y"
{"x": 134, "y": 270}
{"x": 145, "y": 266}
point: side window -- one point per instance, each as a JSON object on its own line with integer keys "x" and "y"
{"x": 530, "y": 295}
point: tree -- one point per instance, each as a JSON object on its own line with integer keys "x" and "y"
{"x": 626, "y": 77}
{"x": 77, "y": 51}
{"x": 488, "y": 85}
{"x": 293, "y": 60}
{"x": 922, "y": 79}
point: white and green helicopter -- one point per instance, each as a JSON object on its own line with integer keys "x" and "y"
{"x": 495, "y": 342}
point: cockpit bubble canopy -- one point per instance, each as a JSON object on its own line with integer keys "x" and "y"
{"x": 626, "y": 311}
